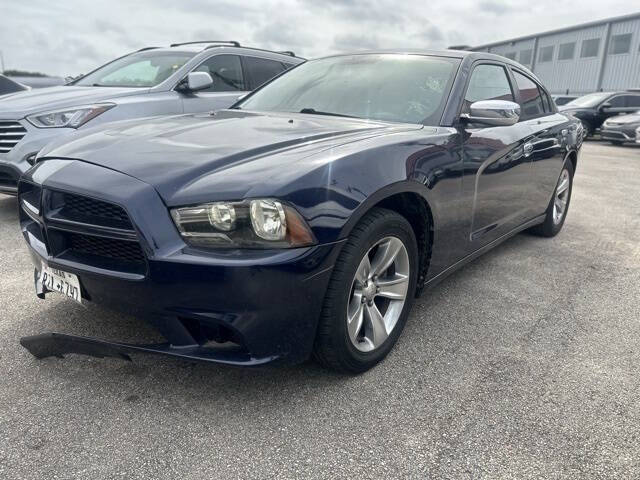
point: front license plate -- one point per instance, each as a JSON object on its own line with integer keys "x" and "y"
{"x": 62, "y": 282}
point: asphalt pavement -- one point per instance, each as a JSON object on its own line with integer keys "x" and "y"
{"x": 524, "y": 364}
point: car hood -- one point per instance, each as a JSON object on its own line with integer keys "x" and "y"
{"x": 21, "y": 104}
{"x": 175, "y": 153}
{"x": 624, "y": 119}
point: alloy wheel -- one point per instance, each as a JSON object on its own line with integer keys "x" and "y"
{"x": 561, "y": 196}
{"x": 378, "y": 294}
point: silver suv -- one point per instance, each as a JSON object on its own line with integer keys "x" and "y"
{"x": 183, "y": 78}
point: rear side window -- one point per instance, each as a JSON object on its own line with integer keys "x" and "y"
{"x": 530, "y": 96}
{"x": 261, "y": 70}
{"x": 488, "y": 82}
{"x": 634, "y": 101}
{"x": 226, "y": 73}
{"x": 617, "y": 102}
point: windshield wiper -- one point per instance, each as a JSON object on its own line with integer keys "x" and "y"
{"x": 331, "y": 114}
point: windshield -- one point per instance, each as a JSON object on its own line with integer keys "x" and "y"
{"x": 388, "y": 87}
{"x": 144, "y": 69}
{"x": 587, "y": 101}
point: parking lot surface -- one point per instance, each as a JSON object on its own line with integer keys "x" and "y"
{"x": 524, "y": 364}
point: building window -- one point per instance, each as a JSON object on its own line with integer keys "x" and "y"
{"x": 566, "y": 50}
{"x": 511, "y": 55}
{"x": 525, "y": 57}
{"x": 590, "y": 48}
{"x": 546, "y": 54}
{"x": 620, "y": 44}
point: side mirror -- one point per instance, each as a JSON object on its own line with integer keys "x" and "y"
{"x": 195, "y": 81}
{"x": 496, "y": 113}
{"x": 69, "y": 78}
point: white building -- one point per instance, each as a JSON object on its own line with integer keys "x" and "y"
{"x": 602, "y": 55}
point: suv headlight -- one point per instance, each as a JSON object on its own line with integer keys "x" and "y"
{"x": 259, "y": 223}
{"x": 72, "y": 117}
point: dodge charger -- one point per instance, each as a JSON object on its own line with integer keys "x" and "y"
{"x": 305, "y": 219}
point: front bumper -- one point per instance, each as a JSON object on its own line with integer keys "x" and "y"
{"x": 59, "y": 345}
{"x": 618, "y": 134}
{"x": 14, "y": 163}
{"x": 240, "y": 307}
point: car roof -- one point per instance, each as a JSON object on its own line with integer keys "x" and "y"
{"x": 200, "y": 47}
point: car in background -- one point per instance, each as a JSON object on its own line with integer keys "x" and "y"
{"x": 621, "y": 129}
{"x": 190, "y": 77}
{"x": 304, "y": 219}
{"x": 593, "y": 109}
{"x": 9, "y": 86}
{"x": 563, "y": 99}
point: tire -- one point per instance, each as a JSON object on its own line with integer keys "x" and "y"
{"x": 588, "y": 131}
{"x": 552, "y": 223}
{"x": 339, "y": 345}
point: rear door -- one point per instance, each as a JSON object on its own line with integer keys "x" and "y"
{"x": 497, "y": 170}
{"x": 546, "y": 136}
{"x": 229, "y": 83}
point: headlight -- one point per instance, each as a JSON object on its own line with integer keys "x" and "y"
{"x": 260, "y": 223}
{"x": 73, "y": 117}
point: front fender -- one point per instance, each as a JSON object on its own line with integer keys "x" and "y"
{"x": 335, "y": 195}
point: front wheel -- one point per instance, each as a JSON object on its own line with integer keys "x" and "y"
{"x": 370, "y": 293}
{"x": 559, "y": 204}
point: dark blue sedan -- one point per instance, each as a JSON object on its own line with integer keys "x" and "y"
{"x": 305, "y": 219}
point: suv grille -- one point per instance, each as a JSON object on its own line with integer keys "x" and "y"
{"x": 95, "y": 212}
{"x": 10, "y": 134}
{"x": 121, "y": 250}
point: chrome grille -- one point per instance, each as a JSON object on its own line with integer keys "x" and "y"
{"x": 10, "y": 134}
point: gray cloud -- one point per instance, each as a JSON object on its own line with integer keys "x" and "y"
{"x": 496, "y": 7}
{"x": 353, "y": 42}
{"x": 74, "y": 36}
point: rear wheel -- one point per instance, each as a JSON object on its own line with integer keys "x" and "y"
{"x": 370, "y": 293}
{"x": 559, "y": 204}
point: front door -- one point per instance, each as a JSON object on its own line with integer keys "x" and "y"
{"x": 497, "y": 168}
{"x": 228, "y": 85}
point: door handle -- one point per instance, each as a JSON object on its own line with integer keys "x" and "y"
{"x": 528, "y": 149}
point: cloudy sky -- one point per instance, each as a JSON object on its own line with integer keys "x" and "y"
{"x": 68, "y": 37}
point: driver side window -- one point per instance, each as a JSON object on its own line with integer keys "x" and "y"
{"x": 488, "y": 82}
{"x": 226, "y": 73}
{"x": 617, "y": 102}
